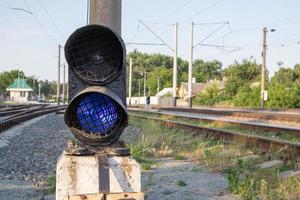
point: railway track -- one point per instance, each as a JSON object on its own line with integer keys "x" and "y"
{"x": 265, "y": 144}
{"x": 21, "y": 109}
{"x": 253, "y": 114}
{"x": 255, "y": 126}
{"x": 27, "y": 115}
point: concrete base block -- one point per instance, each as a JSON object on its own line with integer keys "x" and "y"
{"x": 76, "y": 175}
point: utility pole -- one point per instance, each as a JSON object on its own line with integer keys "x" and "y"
{"x": 157, "y": 84}
{"x": 64, "y": 83}
{"x": 264, "y": 66}
{"x": 130, "y": 79}
{"x": 145, "y": 79}
{"x": 58, "y": 75}
{"x": 107, "y": 13}
{"x": 139, "y": 91}
{"x": 190, "y": 67}
{"x": 40, "y": 84}
{"x": 175, "y": 63}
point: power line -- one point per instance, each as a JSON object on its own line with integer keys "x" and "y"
{"x": 212, "y": 33}
{"x": 179, "y": 8}
{"x": 40, "y": 24}
{"x": 20, "y": 9}
{"x": 201, "y": 11}
{"x": 50, "y": 18}
{"x": 156, "y": 35}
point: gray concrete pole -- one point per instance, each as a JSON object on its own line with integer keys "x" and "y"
{"x": 58, "y": 75}
{"x": 263, "y": 68}
{"x": 40, "y": 90}
{"x": 145, "y": 79}
{"x": 64, "y": 83}
{"x": 139, "y": 91}
{"x": 175, "y": 63}
{"x": 130, "y": 80}
{"x": 190, "y": 68}
{"x": 158, "y": 85}
{"x": 107, "y": 13}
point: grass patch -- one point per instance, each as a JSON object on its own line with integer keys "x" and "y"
{"x": 51, "y": 185}
{"x": 179, "y": 157}
{"x": 181, "y": 183}
{"x": 235, "y": 161}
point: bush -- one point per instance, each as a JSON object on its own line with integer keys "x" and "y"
{"x": 210, "y": 96}
{"x": 247, "y": 97}
{"x": 280, "y": 96}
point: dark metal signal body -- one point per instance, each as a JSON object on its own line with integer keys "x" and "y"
{"x": 96, "y": 112}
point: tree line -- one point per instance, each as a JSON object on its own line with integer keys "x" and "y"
{"x": 242, "y": 88}
{"x": 48, "y": 88}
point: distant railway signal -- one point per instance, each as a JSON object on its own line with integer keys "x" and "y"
{"x": 96, "y": 112}
{"x": 148, "y": 100}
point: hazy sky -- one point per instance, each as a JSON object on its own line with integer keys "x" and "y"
{"x": 31, "y": 40}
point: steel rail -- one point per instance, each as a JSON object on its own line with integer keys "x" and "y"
{"x": 295, "y": 132}
{"x": 27, "y": 111}
{"x": 8, "y": 123}
{"x": 290, "y": 149}
{"x": 257, "y": 114}
{"x": 15, "y": 109}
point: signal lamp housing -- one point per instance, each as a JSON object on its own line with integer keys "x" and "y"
{"x": 96, "y": 116}
{"x": 95, "y": 54}
{"x": 96, "y": 112}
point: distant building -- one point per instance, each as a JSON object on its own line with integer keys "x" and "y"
{"x": 20, "y": 91}
{"x": 165, "y": 92}
{"x": 199, "y": 87}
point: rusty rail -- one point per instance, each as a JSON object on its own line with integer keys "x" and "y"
{"x": 8, "y": 123}
{"x": 17, "y": 109}
{"x": 291, "y": 149}
{"x": 256, "y": 114}
{"x": 277, "y": 128}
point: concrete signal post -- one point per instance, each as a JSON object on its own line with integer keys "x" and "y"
{"x": 97, "y": 165}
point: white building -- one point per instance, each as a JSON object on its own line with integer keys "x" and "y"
{"x": 20, "y": 91}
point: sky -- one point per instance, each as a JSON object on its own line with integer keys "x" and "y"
{"x": 29, "y": 38}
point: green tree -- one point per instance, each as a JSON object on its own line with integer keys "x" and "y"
{"x": 284, "y": 76}
{"x": 33, "y": 82}
{"x": 205, "y": 71}
{"x": 8, "y": 77}
{"x": 280, "y": 96}
{"x": 144, "y": 62}
{"x": 247, "y": 97}
{"x": 210, "y": 96}
{"x": 164, "y": 76}
{"x": 240, "y": 74}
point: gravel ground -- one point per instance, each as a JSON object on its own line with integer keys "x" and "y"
{"x": 28, "y": 155}
{"x": 183, "y": 180}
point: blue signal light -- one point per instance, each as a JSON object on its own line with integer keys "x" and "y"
{"x": 97, "y": 113}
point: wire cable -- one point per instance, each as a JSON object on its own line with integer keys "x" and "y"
{"x": 40, "y": 24}
{"x": 51, "y": 19}
{"x": 201, "y": 11}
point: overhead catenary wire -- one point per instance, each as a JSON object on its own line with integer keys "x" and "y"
{"x": 212, "y": 33}
{"x": 40, "y": 24}
{"x": 51, "y": 19}
{"x": 201, "y": 11}
{"x": 156, "y": 35}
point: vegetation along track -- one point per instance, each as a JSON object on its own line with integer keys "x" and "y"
{"x": 27, "y": 115}
{"x": 266, "y": 144}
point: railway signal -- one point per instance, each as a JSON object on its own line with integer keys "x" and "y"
{"x": 148, "y": 100}
{"x": 97, "y": 111}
